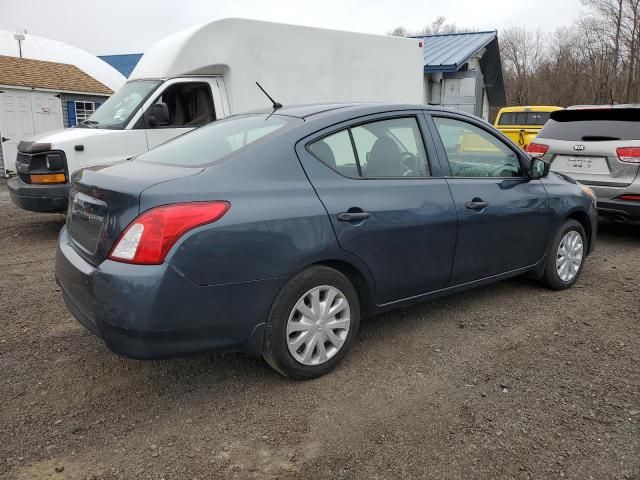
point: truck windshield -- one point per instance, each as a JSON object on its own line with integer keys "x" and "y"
{"x": 118, "y": 109}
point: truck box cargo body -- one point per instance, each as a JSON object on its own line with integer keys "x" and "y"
{"x": 207, "y": 73}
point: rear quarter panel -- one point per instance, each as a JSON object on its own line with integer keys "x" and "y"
{"x": 276, "y": 225}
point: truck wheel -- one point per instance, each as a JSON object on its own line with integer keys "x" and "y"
{"x": 312, "y": 323}
{"x": 565, "y": 257}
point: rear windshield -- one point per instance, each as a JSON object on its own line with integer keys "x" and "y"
{"x": 217, "y": 140}
{"x": 524, "y": 118}
{"x": 593, "y": 125}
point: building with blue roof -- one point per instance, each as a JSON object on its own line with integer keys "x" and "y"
{"x": 464, "y": 71}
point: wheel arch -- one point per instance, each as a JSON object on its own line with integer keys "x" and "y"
{"x": 583, "y": 219}
{"x": 357, "y": 278}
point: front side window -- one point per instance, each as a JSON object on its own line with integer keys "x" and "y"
{"x": 84, "y": 110}
{"x": 384, "y": 149}
{"x": 190, "y": 104}
{"x": 206, "y": 145}
{"x": 474, "y": 152}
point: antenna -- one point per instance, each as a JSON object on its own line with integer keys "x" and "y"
{"x": 276, "y": 105}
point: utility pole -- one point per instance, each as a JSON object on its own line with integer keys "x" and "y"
{"x": 20, "y": 38}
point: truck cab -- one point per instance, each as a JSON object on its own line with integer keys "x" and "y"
{"x": 141, "y": 115}
{"x": 522, "y": 124}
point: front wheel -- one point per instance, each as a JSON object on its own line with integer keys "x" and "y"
{"x": 565, "y": 257}
{"x": 312, "y": 323}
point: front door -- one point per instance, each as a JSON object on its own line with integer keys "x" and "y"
{"x": 504, "y": 217}
{"x": 16, "y": 124}
{"x": 387, "y": 201}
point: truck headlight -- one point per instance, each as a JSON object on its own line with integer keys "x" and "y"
{"x": 55, "y": 161}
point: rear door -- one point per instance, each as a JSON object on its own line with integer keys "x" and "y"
{"x": 504, "y": 217}
{"x": 389, "y": 205}
{"x": 584, "y": 144}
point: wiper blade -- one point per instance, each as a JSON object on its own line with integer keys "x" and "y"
{"x": 91, "y": 123}
{"x": 598, "y": 138}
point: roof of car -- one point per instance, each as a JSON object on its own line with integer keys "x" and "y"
{"x": 322, "y": 110}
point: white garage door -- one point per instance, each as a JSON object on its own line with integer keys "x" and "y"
{"x": 24, "y": 114}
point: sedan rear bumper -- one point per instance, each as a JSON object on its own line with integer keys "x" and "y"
{"x": 152, "y": 311}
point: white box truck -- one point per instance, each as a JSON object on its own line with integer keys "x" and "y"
{"x": 209, "y": 72}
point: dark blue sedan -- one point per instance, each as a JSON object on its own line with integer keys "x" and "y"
{"x": 275, "y": 233}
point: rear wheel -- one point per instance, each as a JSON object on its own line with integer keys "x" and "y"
{"x": 312, "y": 323}
{"x": 565, "y": 257}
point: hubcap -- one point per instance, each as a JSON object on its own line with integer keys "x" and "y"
{"x": 569, "y": 256}
{"x": 318, "y": 325}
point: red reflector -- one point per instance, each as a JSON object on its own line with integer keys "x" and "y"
{"x": 148, "y": 239}
{"x": 536, "y": 149}
{"x": 629, "y": 198}
{"x": 629, "y": 154}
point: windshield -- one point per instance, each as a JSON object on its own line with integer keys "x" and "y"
{"x": 524, "y": 118}
{"x": 208, "y": 144}
{"x": 118, "y": 109}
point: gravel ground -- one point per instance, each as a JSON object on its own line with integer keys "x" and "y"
{"x": 509, "y": 381}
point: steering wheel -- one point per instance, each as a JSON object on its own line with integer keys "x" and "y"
{"x": 410, "y": 162}
{"x": 501, "y": 171}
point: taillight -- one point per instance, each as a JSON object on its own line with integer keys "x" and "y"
{"x": 629, "y": 154}
{"x": 629, "y": 198}
{"x": 148, "y": 239}
{"x": 536, "y": 150}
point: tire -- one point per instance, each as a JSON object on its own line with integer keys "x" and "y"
{"x": 286, "y": 312}
{"x": 552, "y": 278}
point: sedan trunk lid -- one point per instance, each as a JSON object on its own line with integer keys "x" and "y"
{"x": 105, "y": 199}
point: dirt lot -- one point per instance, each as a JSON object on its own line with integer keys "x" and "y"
{"x": 511, "y": 381}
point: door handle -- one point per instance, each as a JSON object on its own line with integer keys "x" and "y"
{"x": 353, "y": 216}
{"x": 476, "y": 204}
{"x": 5, "y": 139}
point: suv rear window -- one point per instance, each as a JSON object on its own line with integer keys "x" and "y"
{"x": 593, "y": 125}
{"x": 524, "y": 118}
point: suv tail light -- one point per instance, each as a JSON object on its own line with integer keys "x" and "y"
{"x": 536, "y": 150}
{"x": 629, "y": 198}
{"x": 629, "y": 154}
{"x": 148, "y": 239}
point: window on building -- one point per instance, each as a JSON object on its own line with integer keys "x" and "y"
{"x": 84, "y": 110}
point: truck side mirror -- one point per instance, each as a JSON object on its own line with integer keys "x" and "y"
{"x": 157, "y": 115}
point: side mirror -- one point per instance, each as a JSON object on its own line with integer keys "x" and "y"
{"x": 538, "y": 168}
{"x": 157, "y": 115}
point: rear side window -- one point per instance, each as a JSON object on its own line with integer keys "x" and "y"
{"x": 593, "y": 125}
{"x": 524, "y": 118}
{"x": 384, "y": 149}
{"x": 210, "y": 143}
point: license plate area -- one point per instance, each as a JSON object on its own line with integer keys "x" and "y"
{"x": 576, "y": 164}
{"x": 86, "y": 217}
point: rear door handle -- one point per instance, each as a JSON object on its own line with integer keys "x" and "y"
{"x": 353, "y": 216}
{"x": 5, "y": 139}
{"x": 476, "y": 204}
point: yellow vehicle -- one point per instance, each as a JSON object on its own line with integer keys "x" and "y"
{"x": 522, "y": 124}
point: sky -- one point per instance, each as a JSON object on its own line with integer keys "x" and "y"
{"x": 130, "y": 26}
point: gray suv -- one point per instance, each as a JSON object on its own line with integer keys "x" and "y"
{"x": 598, "y": 146}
